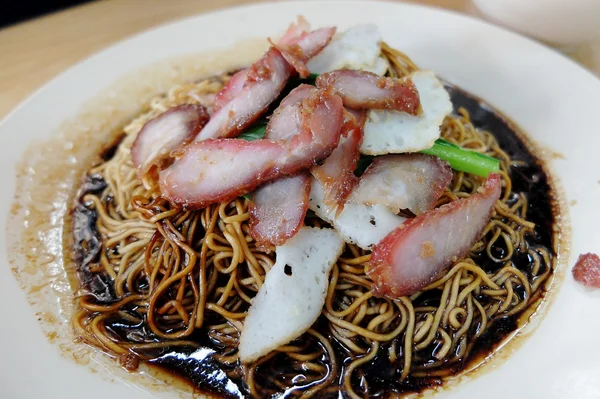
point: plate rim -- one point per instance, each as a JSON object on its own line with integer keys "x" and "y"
{"x": 46, "y": 86}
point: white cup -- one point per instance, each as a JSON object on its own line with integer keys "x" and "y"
{"x": 560, "y": 22}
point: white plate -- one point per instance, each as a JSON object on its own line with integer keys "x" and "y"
{"x": 550, "y": 97}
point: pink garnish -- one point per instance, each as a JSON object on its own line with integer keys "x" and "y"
{"x": 587, "y": 270}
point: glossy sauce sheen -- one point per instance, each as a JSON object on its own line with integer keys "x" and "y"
{"x": 206, "y": 375}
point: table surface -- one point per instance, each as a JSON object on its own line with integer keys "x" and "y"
{"x": 35, "y": 51}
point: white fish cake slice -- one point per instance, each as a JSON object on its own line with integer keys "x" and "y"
{"x": 392, "y": 132}
{"x": 360, "y": 224}
{"x": 356, "y": 48}
{"x": 366, "y": 225}
{"x": 293, "y": 295}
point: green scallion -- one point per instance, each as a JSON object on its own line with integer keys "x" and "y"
{"x": 462, "y": 159}
{"x": 254, "y": 133}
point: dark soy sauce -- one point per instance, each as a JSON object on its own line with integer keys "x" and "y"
{"x": 197, "y": 366}
{"x": 86, "y": 242}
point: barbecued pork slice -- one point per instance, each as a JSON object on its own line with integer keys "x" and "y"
{"x": 336, "y": 174}
{"x": 277, "y": 208}
{"x": 219, "y": 170}
{"x": 234, "y": 86}
{"x": 297, "y": 45}
{"x": 160, "y": 136}
{"x": 250, "y": 92}
{"x": 286, "y": 120}
{"x": 295, "y": 30}
{"x": 366, "y": 90}
{"x": 416, "y": 253}
{"x": 393, "y": 132}
{"x": 264, "y": 82}
{"x": 301, "y": 48}
{"x": 410, "y": 181}
{"x": 293, "y": 294}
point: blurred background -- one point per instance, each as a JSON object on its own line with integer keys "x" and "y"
{"x": 14, "y": 11}
{"x": 41, "y": 38}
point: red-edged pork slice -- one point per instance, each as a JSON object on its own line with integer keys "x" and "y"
{"x": 216, "y": 170}
{"x": 414, "y": 254}
{"x": 336, "y": 175}
{"x": 587, "y": 270}
{"x": 392, "y": 132}
{"x": 166, "y": 133}
{"x": 322, "y": 117}
{"x": 234, "y": 86}
{"x": 294, "y": 97}
{"x": 360, "y": 116}
{"x": 361, "y": 89}
{"x": 286, "y": 120}
{"x": 293, "y": 294}
{"x": 277, "y": 209}
{"x": 297, "y": 46}
{"x": 294, "y": 31}
{"x": 264, "y": 82}
{"x": 411, "y": 181}
{"x": 219, "y": 170}
{"x": 305, "y": 45}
